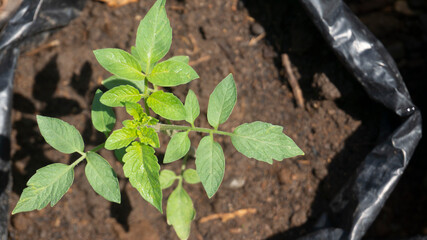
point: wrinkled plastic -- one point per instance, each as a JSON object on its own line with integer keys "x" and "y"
{"x": 358, "y": 203}
{"x": 33, "y": 20}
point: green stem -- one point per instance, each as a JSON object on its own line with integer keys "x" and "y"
{"x": 83, "y": 155}
{"x": 184, "y": 163}
{"x": 147, "y": 110}
{"x": 78, "y": 160}
{"x": 179, "y": 182}
{"x": 164, "y": 127}
{"x": 97, "y": 148}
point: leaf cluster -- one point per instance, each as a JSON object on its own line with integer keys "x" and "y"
{"x": 135, "y": 84}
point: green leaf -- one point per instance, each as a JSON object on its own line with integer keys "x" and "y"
{"x": 60, "y": 135}
{"x": 172, "y": 73}
{"x": 178, "y": 146}
{"x": 184, "y": 59}
{"x": 135, "y": 53}
{"x": 103, "y": 117}
{"x": 102, "y": 177}
{"x": 190, "y": 176}
{"x": 166, "y": 105}
{"x": 180, "y": 212}
{"x": 117, "y": 96}
{"x": 120, "y": 138}
{"x": 119, "y": 63}
{"x": 149, "y": 136}
{"x": 49, "y": 184}
{"x": 154, "y": 36}
{"x": 192, "y": 108}
{"x": 222, "y": 101}
{"x": 130, "y": 123}
{"x": 150, "y": 121}
{"x": 115, "y": 81}
{"x": 142, "y": 169}
{"x": 167, "y": 177}
{"x": 210, "y": 164}
{"x": 135, "y": 110}
{"x": 264, "y": 142}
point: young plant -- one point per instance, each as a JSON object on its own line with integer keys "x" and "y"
{"x": 137, "y": 78}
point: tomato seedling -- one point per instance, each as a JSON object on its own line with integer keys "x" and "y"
{"x": 136, "y": 78}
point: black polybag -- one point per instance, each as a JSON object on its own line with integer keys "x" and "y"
{"x": 356, "y": 206}
{"x": 358, "y": 203}
{"x": 30, "y": 24}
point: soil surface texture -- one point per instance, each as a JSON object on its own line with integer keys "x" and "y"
{"x": 336, "y": 126}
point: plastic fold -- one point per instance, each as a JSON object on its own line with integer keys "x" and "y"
{"x": 359, "y": 202}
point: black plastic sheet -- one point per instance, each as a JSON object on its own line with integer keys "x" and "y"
{"x": 359, "y": 202}
{"x": 33, "y": 20}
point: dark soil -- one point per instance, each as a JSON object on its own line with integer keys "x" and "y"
{"x": 337, "y": 127}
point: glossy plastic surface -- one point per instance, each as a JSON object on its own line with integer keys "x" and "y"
{"x": 359, "y": 202}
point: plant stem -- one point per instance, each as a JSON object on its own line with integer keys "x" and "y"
{"x": 147, "y": 110}
{"x": 184, "y": 163}
{"x": 97, "y": 148}
{"x": 164, "y": 127}
{"x": 83, "y": 155}
{"x": 78, "y": 160}
{"x": 144, "y": 95}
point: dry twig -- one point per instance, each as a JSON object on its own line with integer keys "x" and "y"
{"x": 293, "y": 81}
{"x": 234, "y": 5}
{"x": 117, "y": 3}
{"x": 194, "y": 43}
{"x": 256, "y": 39}
{"x": 42, "y": 47}
{"x": 228, "y": 216}
{"x": 177, "y": 8}
{"x": 200, "y": 60}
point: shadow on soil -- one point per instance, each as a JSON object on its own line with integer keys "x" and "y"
{"x": 30, "y": 155}
{"x": 32, "y": 147}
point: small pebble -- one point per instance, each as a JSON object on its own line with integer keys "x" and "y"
{"x": 320, "y": 172}
{"x": 257, "y": 29}
{"x": 402, "y": 7}
{"x": 326, "y": 88}
{"x": 20, "y": 222}
{"x": 237, "y": 183}
{"x": 298, "y": 218}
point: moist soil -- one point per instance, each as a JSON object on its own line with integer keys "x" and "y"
{"x": 336, "y": 127}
